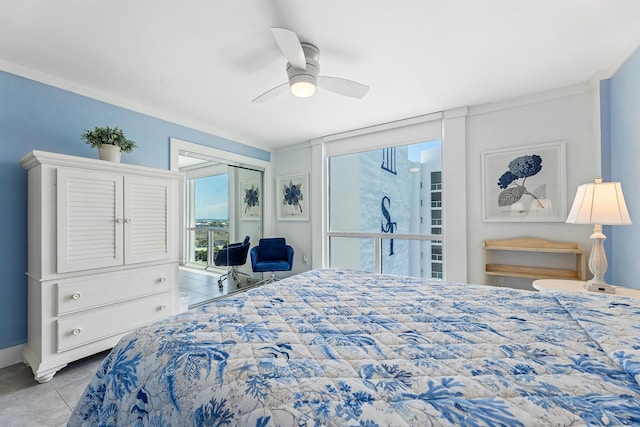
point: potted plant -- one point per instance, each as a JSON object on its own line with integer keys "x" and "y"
{"x": 110, "y": 142}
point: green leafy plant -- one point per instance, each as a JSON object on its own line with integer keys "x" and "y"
{"x": 110, "y": 136}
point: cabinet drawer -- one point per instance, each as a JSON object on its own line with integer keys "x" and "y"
{"x": 95, "y": 291}
{"x": 76, "y": 331}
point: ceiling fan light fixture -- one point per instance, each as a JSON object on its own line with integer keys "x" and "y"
{"x": 304, "y": 76}
{"x": 302, "y": 85}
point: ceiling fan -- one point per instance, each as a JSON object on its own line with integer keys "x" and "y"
{"x": 303, "y": 70}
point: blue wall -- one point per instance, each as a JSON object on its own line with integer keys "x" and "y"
{"x": 620, "y": 99}
{"x": 35, "y": 116}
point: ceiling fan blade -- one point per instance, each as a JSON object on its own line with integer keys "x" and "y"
{"x": 343, "y": 86}
{"x": 290, "y": 46}
{"x": 272, "y": 93}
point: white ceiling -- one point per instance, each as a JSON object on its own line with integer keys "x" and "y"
{"x": 200, "y": 63}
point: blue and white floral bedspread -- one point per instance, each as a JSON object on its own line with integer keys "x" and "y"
{"x": 344, "y": 348}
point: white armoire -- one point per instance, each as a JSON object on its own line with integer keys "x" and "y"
{"x": 103, "y": 244}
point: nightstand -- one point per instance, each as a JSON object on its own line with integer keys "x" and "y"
{"x": 578, "y": 286}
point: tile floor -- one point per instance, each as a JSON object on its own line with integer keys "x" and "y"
{"x": 25, "y": 403}
{"x": 202, "y": 285}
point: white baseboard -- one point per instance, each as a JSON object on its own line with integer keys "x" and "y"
{"x": 11, "y": 355}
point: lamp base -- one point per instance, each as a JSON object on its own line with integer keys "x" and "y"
{"x": 600, "y": 287}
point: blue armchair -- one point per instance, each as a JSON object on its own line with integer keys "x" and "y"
{"x": 271, "y": 255}
{"x": 232, "y": 255}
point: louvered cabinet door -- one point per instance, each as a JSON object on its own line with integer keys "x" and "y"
{"x": 147, "y": 219}
{"x": 90, "y": 220}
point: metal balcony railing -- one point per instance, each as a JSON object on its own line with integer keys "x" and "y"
{"x": 379, "y": 238}
{"x": 204, "y": 242}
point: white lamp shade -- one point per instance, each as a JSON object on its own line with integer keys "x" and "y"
{"x": 599, "y": 203}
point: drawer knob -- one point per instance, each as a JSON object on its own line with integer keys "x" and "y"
{"x": 77, "y": 331}
{"x": 163, "y": 307}
{"x": 76, "y": 296}
{"x": 119, "y": 220}
{"x": 127, "y": 220}
{"x": 163, "y": 279}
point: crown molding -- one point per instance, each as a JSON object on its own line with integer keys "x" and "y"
{"x": 563, "y": 92}
{"x": 69, "y": 86}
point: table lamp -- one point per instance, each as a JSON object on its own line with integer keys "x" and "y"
{"x": 599, "y": 203}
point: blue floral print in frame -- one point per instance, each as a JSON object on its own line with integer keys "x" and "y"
{"x": 250, "y": 196}
{"x": 293, "y": 197}
{"x": 524, "y": 184}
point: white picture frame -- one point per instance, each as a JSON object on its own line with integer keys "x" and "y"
{"x": 536, "y": 192}
{"x": 250, "y": 195}
{"x": 292, "y": 197}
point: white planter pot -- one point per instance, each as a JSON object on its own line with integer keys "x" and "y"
{"x": 110, "y": 153}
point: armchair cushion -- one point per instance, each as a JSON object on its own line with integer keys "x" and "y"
{"x": 272, "y": 255}
{"x": 233, "y": 254}
{"x": 272, "y": 249}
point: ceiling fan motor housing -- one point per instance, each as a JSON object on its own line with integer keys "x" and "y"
{"x": 308, "y": 76}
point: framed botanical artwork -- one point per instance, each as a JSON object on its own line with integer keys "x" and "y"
{"x": 292, "y": 192}
{"x": 524, "y": 184}
{"x": 249, "y": 200}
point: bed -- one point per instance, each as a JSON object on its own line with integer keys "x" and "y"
{"x": 344, "y": 348}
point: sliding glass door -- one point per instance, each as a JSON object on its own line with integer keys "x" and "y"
{"x": 246, "y": 208}
{"x": 208, "y": 228}
{"x": 223, "y": 204}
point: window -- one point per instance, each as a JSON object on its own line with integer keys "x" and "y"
{"x": 436, "y": 181}
{"x": 436, "y": 253}
{"x": 371, "y": 202}
{"x": 436, "y": 270}
{"x": 209, "y": 223}
{"x": 436, "y": 200}
{"x": 437, "y": 214}
{"x": 389, "y": 160}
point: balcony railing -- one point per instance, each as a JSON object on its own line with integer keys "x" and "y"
{"x": 204, "y": 243}
{"x": 380, "y": 249}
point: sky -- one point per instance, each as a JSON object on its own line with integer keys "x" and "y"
{"x": 416, "y": 149}
{"x": 212, "y": 197}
